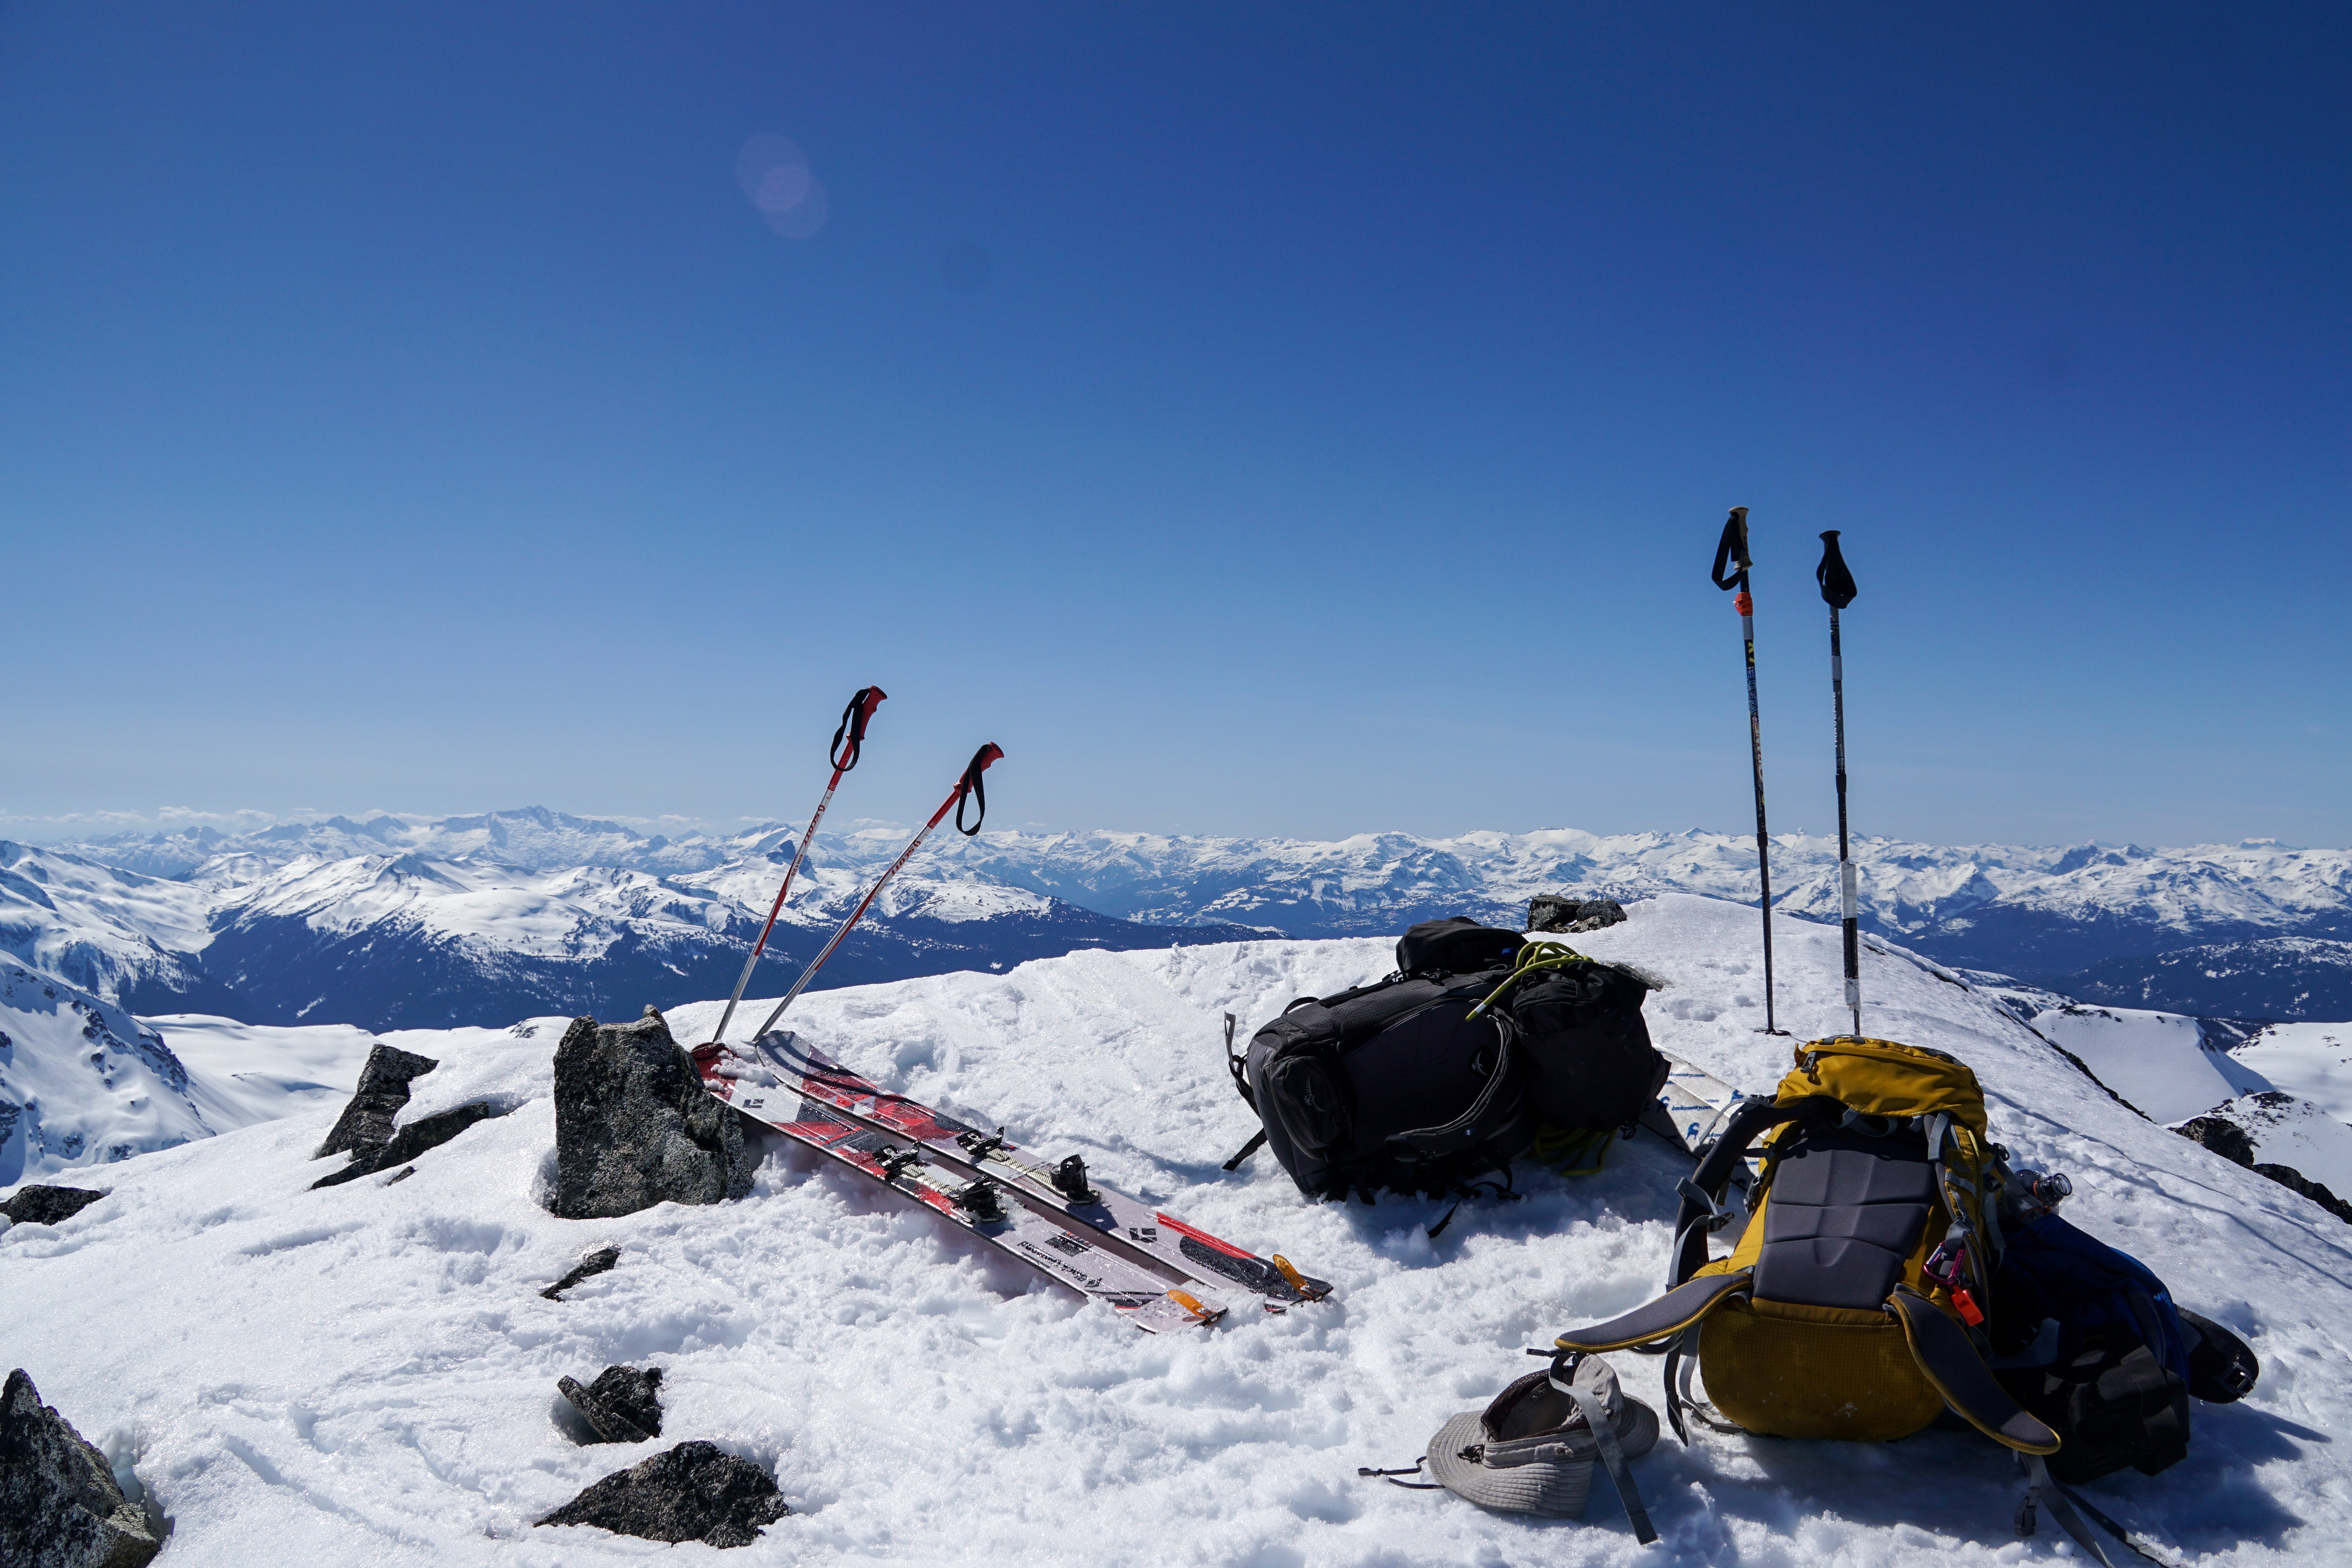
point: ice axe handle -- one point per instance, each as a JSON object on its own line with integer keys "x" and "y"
{"x": 1733, "y": 549}
{"x": 1837, "y": 584}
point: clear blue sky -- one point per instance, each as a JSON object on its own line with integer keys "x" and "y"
{"x": 1299, "y": 419}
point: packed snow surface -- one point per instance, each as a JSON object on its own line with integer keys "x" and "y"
{"x": 367, "y": 1374}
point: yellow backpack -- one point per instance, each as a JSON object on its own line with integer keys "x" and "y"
{"x": 1849, "y": 1306}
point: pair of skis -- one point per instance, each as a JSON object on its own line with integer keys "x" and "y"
{"x": 1093, "y": 1240}
{"x": 1102, "y": 1244}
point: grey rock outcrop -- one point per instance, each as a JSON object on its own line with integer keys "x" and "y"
{"x": 633, "y": 1128}
{"x": 623, "y": 1404}
{"x": 692, "y": 1493}
{"x": 47, "y": 1205}
{"x": 60, "y": 1505}
{"x": 424, "y": 1132}
{"x": 366, "y": 1124}
{"x": 2221, "y": 1135}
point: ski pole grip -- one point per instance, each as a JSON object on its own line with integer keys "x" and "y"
{"x": 970, "y": 787}
{"x": 854, "y": 719}
{"x": 1837, "y": 584}
{"x": 1733, "y": 547}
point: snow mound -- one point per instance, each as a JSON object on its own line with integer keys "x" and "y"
{"x": 367, "y": 1374}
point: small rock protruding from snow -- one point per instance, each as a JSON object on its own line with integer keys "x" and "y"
{"x": 366, "y": 1124}
{"x": 47, "y": 1205}
{"x": 61, "y": 1506}
{"x": 692, "y": 1493}
{"x": 633, "y": 1128}
{"x": 597, "y": 1262}
{"x": 623, "y": 1404}
{"x": 1557, "y": 912}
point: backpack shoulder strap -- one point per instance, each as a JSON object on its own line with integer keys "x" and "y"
{"x": 1950, "y": 1362}
{"x": 1694, "y": 1224}
{"x": 1671, "y": 1314}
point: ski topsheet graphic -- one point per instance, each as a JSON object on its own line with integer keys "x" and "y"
{"x": 1691, "y": 1110}
{"x": 1160, "y": 1272}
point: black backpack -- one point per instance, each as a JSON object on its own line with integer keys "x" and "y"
{"x": 1398, "y": 1085}
{"x": 2095, "y": 1348}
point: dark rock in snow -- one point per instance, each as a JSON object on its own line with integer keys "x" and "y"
{"x": 2288, "y": 1176}
{"x": 623, "y": 1404}
{"x": 633, "y": 1128}
{"x": 597, "y": 1262}
{"x": 2221, "y": 1135}
{"x": 60, "y": 1505}
{"x": 692, "y": 1493}
{"x": 365, "y": 1124}
{"x": 424, "y": 1132}
{"x": 1554, "y": 912}
{"x": 2230, "y": 1140}
{"x": 47, "y": 1205}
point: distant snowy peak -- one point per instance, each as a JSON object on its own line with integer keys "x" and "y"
{"x": 98, "y": 927}
{"x": 82, "y": 1082}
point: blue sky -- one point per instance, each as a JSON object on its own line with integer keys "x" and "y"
{"x": 1295, "y": 420}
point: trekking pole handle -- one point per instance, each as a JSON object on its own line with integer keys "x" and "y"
{"x": 970, "y": 784}
{"x": 854, "y": 719}
{"x": 1733, "y": 547}
{"x": 1836, "y": 582}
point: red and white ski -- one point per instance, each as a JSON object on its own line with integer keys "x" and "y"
{"x": 801, "y": 1091}
{"x": 1054, "y": 1250}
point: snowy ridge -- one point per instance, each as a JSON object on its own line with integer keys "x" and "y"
{"x": 498, "y": 905}
{"x": 919, "y": 1406}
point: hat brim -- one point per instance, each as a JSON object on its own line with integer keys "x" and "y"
{"x": 1556, "y": 1488}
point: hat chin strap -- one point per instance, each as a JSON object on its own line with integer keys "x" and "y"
{"x": 1605, "y": 1434}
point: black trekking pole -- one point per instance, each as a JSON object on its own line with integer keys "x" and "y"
{"x": 969, "y": 784}
{"x": 847, "y": 742}
{"x": 1733, "y": 549}
{"x": 1837, "y": 591}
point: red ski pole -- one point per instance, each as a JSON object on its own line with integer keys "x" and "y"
{"x": 846, "y": 740}
{"x": 970, "y": 784}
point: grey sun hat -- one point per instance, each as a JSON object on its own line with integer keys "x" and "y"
{"x": 1533, "y": 1449}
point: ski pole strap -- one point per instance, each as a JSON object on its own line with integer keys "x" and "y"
{"x": 1733, "y": 547}
{"x": 852, "y": 732}
{"x": 1837, "y": 583}
{"x": 970, "y": 786}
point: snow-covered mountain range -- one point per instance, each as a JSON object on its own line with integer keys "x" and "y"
{"x": 391, "y": 921}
